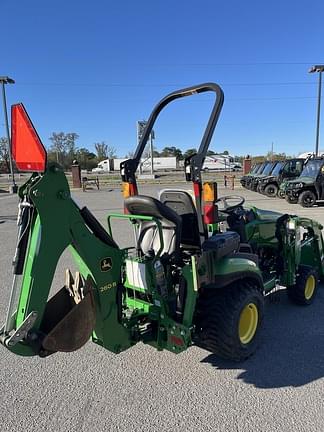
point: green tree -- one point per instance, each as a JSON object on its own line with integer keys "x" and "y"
{"x": 172, "y": 151}
{"x": 210, "y": 153}
{"x": 86, "y": 159}
{"x": 189, "y": 152}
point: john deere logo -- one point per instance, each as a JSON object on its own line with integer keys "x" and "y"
{"x": 106, "y": 264}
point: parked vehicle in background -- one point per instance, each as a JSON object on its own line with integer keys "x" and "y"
{"x": 309, "y": 186}
{"x": 221, "y": 163}
{"x": 254, "y": 169}
{"x": 159, "y": 163}
{"x": 258, "y": 177}
{"x": 285, "y": 170}
{"x": 246, "y": 180}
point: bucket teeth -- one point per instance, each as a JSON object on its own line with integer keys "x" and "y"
{"x": 75, "y": 286}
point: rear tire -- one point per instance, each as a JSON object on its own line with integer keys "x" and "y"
{"x": 229, "y": 319}
{"x": 271, "y": 190}
{"x": 307, "y": 199}
{"x": 281, "y": 194}
{"x": 304, "y": 291}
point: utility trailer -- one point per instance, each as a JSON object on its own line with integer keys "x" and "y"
{"x": 196, "y": 272}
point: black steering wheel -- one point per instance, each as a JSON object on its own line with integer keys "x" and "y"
{"x": 225, "y": 200}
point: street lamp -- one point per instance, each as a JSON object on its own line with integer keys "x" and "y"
{"x": 6, "y": 80}
{"x": 319, "y": 69}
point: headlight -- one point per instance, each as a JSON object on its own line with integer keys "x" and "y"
{"x": 291, "y": 225}
{"x": 299, "y": 185}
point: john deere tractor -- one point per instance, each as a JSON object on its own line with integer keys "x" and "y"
{"x": 196, "y": 272}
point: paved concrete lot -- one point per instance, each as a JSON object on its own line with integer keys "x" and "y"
{"x": 280, "y": 388}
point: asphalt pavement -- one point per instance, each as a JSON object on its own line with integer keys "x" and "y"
{"x": 280, "y": 388}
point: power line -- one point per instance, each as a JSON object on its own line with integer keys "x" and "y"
{"x": 252, "y": 84}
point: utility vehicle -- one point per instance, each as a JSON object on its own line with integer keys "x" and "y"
{"x": 257, "y": 178}
{"x": 283, "y": 171}
{"x": 308, "y": 188}
{"x": 254, "y": 169}
{"x": 196, "y": 272}
{"x": 249, "y": 179}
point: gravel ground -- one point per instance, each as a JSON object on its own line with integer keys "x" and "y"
{"x": 280, "y": 388}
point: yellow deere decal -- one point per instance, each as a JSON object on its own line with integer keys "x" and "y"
{"x": 106, "y": 264}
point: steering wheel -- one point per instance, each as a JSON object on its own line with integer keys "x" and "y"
{"x": 225, "y": 200}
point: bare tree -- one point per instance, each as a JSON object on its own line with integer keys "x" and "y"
{"x": 64, "y": 147}
{"x": 104, "y": 151}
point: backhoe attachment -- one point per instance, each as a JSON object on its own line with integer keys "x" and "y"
{"x": 49, "y": 222}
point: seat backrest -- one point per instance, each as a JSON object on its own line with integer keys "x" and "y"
{"x": 181, "y": 202}
{"x": 148, "y": 238}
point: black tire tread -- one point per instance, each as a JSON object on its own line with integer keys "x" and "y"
{"x": 296, "y": 293}
{"x": 302, "y": 197}
{"x": 217, "y": 318}
{"x": 269, "y": 186}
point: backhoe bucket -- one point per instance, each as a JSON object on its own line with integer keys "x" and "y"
{"x": 68, "y": 326}
{"x": 69, "y": 317}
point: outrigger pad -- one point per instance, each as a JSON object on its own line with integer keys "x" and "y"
{"x": 67, "y": 326}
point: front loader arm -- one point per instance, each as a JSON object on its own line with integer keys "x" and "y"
{"x": 57, "y": 223}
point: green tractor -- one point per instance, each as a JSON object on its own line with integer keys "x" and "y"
{"x": 197, "y": 271}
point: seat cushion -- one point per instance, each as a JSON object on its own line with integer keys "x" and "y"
{"x": 148, "y": 238}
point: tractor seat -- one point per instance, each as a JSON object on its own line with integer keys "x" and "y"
{"x": 148, "y": 237}
{"x": 181, "y": 202}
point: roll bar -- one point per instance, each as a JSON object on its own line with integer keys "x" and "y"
{"x": 194, "y": 163}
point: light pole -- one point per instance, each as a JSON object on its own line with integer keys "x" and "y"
{"x": 6, "y": 80}
{"x": 319, "y": 69}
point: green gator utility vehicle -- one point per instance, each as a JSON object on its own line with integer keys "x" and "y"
{"x": 182, "y": 281}
{"x": 254, "y": 169}
{"x": 283, "y": 171}
{"x": 308, "y": 188}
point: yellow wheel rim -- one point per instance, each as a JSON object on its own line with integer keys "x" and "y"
{"x": 248, "y": 323}
{"x": 310, "y": 287}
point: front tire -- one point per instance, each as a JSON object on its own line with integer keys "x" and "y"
{"x": 271, "y": 190}
{"x": 307, "y": 198}
{"x": 305, "y": 289}
{"x": 229, "y": 320}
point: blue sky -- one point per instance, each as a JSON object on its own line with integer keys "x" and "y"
{"x": 97, "y": 67}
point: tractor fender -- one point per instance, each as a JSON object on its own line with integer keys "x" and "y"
{"x": 230, "y": 269}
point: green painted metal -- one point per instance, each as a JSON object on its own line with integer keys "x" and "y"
{"x": 59, "y": 224}
{"x": 143, "y": 313}
{"x": 229, "y": 266}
